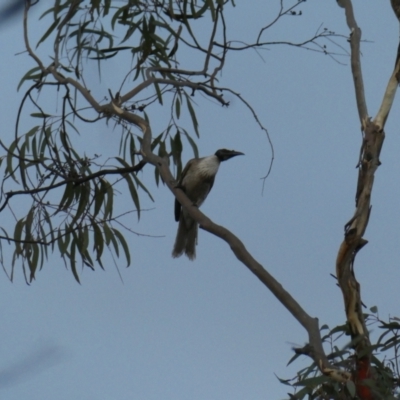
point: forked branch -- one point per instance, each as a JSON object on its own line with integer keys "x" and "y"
{"x": 373, "y": 137}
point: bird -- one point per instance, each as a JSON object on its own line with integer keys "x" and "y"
{"x": 196, "y": 180}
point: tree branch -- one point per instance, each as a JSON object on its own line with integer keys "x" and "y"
{"x": 309, "y": 323}
{"x": 355, "y": 39}
{"x": 390, "y": 93}
{"x": 373, "y": 137}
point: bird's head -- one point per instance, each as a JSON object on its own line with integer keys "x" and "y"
{"x": 224, "y": 154}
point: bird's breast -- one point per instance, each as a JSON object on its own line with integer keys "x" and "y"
{"x": 199, "y": 180}
{"x": 208, "y": 166}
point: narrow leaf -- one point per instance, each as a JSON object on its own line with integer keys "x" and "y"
{"x": 31, "y": 74}
{"x": 193, "y": 116}
{"x": 133, "y": 193}
{"x": 124, "y": 245}
{"x": 73, "y": 262}
{"x": 48, "y": 32}
{"x": 158, "y": 91}
{"x": 177, "y": 107}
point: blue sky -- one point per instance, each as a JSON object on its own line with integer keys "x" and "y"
{"x": 208, "y": 329}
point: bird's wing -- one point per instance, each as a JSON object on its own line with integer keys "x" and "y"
{"x": 184, "y": 172}
{"x": 179, "y": 185}
{"x": 211, "y": 184}
{"x": 208, "y": 183}
{"x": 177, "y": 210}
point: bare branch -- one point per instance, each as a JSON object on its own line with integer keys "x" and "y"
{"x": 255, "y": 116}
{"x": 390, "y": 92}
{"x": 281, "y": 13}
{"x": 355, "y": 38}
{"x": 211, "y": 41}
{"x": 26, "y": 39}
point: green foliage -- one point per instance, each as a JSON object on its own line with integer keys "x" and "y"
{"x": 62, "y": 196}
{"x": 310, "y": 384}
{"x": 72, "y": 192}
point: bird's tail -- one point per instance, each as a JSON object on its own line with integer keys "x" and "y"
{"x": 191, "y": 241}
{"x": 186, "y": 238}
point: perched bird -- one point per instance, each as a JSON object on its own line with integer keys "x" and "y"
{"x": 196, "y": 181}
